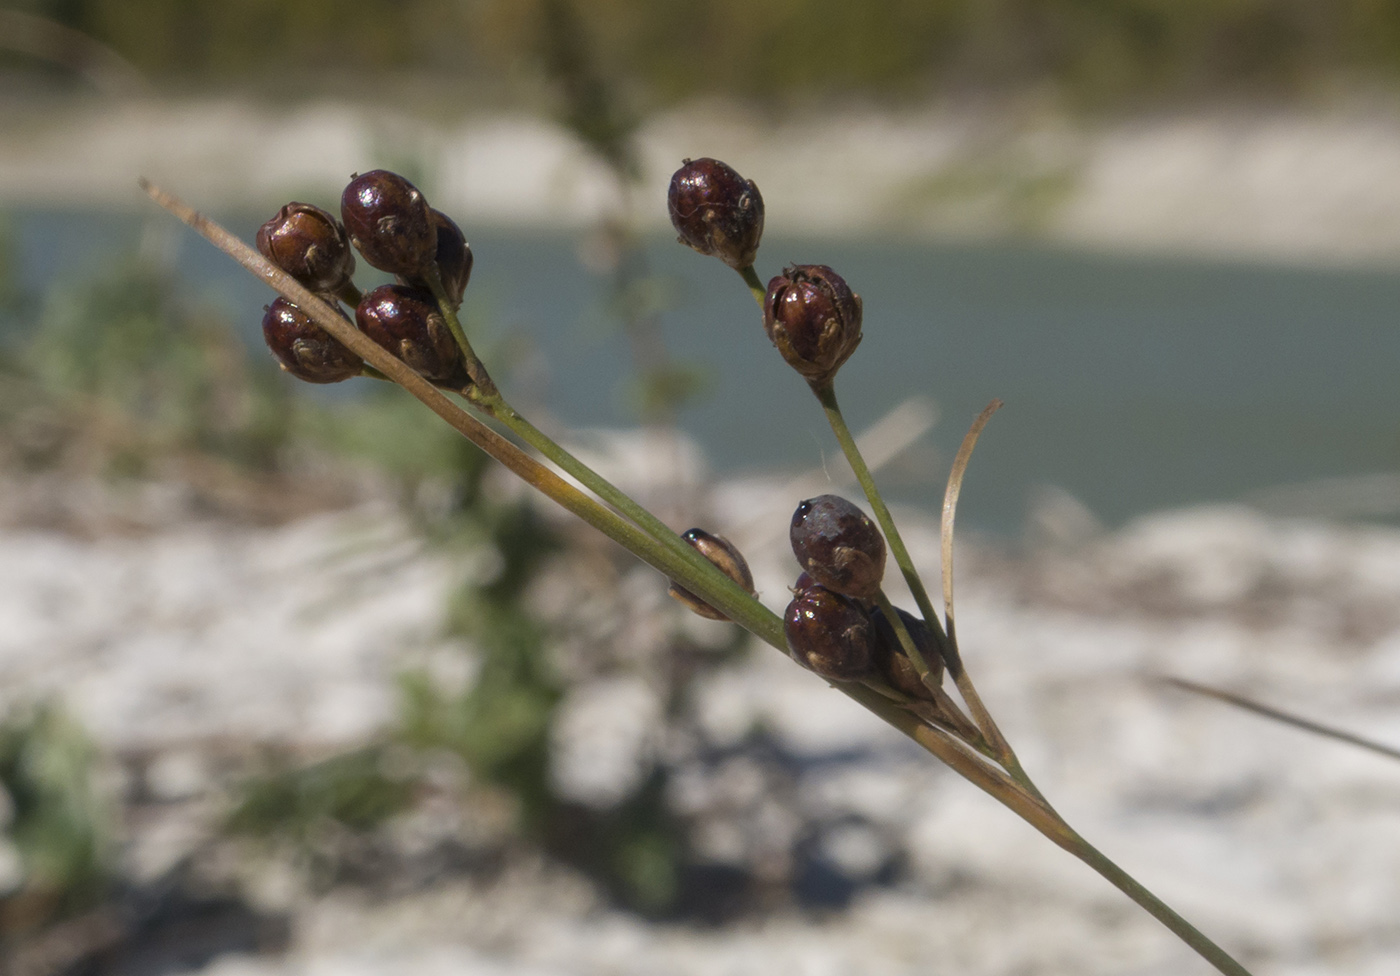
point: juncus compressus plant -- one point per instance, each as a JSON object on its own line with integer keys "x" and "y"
{"x": 840, "y": 624}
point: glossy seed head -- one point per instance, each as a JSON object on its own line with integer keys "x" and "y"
{"x": 305, "y": 349}
{"x": 894, "y": 665}
{"x": 389, "y": 222}
{"x": 839, "y": 546}
{"x": 310, "y": 245}
{"x": 407, "y": 323}
{"x": 813, "y": 319}
{"x": 453, "y": 256}
{"x": 722, "y": 553}
{"x": 716, "y": 211}
{"x": 829, "y": 634}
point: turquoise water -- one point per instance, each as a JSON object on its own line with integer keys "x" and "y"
{"x": 1133, "y": 383}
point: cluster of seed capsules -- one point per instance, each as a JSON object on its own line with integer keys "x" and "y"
{"x": 810, "y": 315}
{"x": 386, "y": 219}
{"x": 813, "y": 319}
{"x": 832, "y": 625}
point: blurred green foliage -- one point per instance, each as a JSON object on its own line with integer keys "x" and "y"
{"x": 162, "y": 373}
{"x": 358, "y": 790}
{"x": 1093, "y": 52}
{"x": 56, "y": 820}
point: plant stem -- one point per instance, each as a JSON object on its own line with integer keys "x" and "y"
{"x": 826, "y": 394}
{"x": 481, "y": 380}
{"x": 502, "y": 411}
{"x": 756, "y": 287}
{"x": 484, "y": 395}
{"x": 1153, "y": 905}
{"x": 906, "y": 640}
{"x": 1040, "y": 815}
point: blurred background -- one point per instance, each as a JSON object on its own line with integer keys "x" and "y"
{"x": 294, "y": 682}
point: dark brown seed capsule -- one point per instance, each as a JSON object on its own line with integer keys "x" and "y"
{"x": 305, "y": 349}
{"x": 453, "y": 258}
{"x": 389, "y": 222}
{"x": 813, "y": 319}
{"x": 829, "y": 634}
{"x": 716, "y": 211}
{"x": 894, "y": 665}
{"x": 407, "y": 323}
{"x": 310, "y": 245}
{"x": 839, "y": 546}
{"x": 722, "y": 553}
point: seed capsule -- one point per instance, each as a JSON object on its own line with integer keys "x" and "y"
{"x": 716, "y": 211}
{"x": 891, "y": 661}
{"x": 305, "y": 349}
{"x": 722, "y": 553}
{"x": 453, "y": 256}
{"x": 829, "y": 634}
{"x": 310, "y": 245}
{"x": 839, "y": 546}
{"x": 407, "y": 323}
{"x": 389, "y": 222}
{"x": 813, "y": 319}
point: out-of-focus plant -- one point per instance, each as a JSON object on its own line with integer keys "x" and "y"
{"x": 592, "y": 105}
{"x": 1106, "y": 55}
{"x": 155, "y": 375}
{"x": 54, "y": 827}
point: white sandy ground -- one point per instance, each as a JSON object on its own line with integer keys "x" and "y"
{"x": 1284, "y": 847}
{"x": 1311, "y": 186}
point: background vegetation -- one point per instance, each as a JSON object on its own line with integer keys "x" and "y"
{"x": 1115, "y": 54}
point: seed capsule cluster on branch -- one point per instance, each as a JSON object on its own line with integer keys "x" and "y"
{"x": 388, "y": 221}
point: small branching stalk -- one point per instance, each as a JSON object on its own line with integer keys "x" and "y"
{"x": 839, "y": 624}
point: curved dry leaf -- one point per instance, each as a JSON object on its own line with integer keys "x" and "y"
{"x": 950, "y": 503}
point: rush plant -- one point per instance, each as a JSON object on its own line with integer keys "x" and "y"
{"x": 840, "y": 623}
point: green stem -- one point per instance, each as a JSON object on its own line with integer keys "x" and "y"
{"x": 1036, "y": 812}
{"x": 1154, "y": 906}
{"x": 499, "y": 409}
{"x": 826, "y": 394}
{"x": 906, "y": 640}
{"x": 479, "y": 377}
{"x": 756, "y": 287}
{"x": 484, "y": 395}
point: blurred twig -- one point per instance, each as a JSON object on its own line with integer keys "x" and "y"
{"x": 1278, "y": 715}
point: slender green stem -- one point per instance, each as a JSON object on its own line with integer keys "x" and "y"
{"x": 499, "y": 409}
{"x": 826, "y": 394}
{"x": 485, "y": 396}
{"x": 906, "y": 640}
{"x": 756, "y": 287}
{"x": 475, "y": 369}
{"x": 1154, "y": 906}
{"x": 1043, "y": 818}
